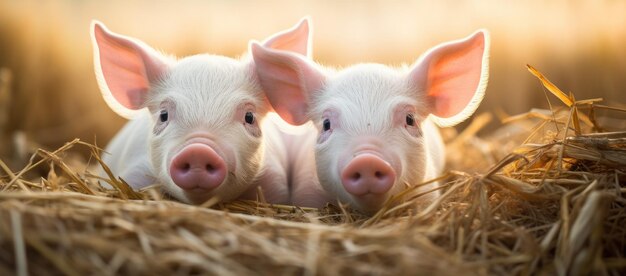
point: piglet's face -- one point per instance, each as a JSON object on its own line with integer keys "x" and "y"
{"x": 371, "y": 117}
{"x": 205, "y": 109}
{"x": 206, "y": 137}
{"x": 370, "y": 141}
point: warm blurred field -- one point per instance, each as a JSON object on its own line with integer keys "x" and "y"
{"x": 579, "y": 45}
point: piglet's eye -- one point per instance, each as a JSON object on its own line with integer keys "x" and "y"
{"x": 249, "y": 118}
{"x": 163, "y": 116}
{"x": 326, "y": 125}
{"x": 410, "y": 120}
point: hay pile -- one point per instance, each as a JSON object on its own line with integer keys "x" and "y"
{"x": 546, "y": 194}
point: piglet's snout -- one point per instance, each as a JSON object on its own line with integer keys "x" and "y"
{"x": 367, "y": 174}
{"x": 198, "y": 166}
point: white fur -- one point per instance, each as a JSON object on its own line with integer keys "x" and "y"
{"x": 368, "y": 104}
{"x": 206, "y": 91}
{"x": 206, "y": 97}
{"x": 365, "y": 97}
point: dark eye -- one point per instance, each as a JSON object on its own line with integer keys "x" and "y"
{"x": 410, "y": 120}
{"x": 326, "y": 125}
{"x": 163, "y": 116}
{"x": 249, "y": 118}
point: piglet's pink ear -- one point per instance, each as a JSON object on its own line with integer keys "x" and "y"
{"x": 289, "y": 80}
{"x": 125, "y": 69}
{"x": 454, "y": 77}
{"x": 296, "y": 39}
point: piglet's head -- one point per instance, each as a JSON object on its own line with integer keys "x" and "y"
{"x": 371, "y": 117}
{"x": 205, "y": 110}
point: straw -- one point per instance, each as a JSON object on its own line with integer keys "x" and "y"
{"x": 539, "y": 197}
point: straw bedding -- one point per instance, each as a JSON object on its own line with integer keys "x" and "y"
{"x": 543, "y": 194}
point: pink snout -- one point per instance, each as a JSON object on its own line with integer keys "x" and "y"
{"x": 198, "y": 166}
{"x": 367, "y": 174}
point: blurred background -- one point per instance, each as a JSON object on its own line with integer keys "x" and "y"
{"x": 49, "y": 93}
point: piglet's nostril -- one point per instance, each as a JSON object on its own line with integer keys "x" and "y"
{"x": 379, "y": 174}
{"x": 356, "y": 176}
{"x": 210, "y": 168}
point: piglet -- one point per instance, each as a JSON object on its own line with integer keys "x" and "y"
{"x": 197, "y": 123}
{"x": 375, "y": 124}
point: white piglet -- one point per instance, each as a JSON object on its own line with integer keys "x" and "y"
{"x": 197, "y": 122}
{"x": 375, "y": 123}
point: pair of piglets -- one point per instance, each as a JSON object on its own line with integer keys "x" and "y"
{"x": 376, "y": 132}
{"x": 197, "y": 124}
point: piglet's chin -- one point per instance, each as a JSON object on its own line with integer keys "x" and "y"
{"x": 369, "y": 203}
{"x": 199, "y": 196}
{"x": 191, "y": 196}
